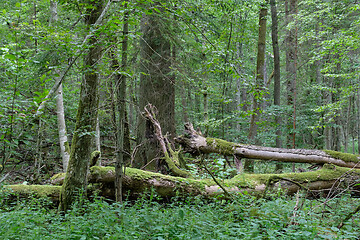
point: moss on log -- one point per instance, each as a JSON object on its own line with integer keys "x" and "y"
{"x": 52, "y": 192}
{"x": 138, "y": 181}
{"x": 196, "y": 144}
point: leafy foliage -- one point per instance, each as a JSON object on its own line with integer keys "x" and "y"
{"x": 192, "y": 218}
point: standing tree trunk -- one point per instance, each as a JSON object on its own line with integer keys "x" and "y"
{"x": 291, "y": 61}
{"x": 122, "y": 131}
{"x": 277, "y": 83}
{"x": 258, "y": 89}
{"x": 156, "y": 87}
{"x": 76, "y": 176}
{"x": 64, "y": 144}
{"x": 358, "y": 118}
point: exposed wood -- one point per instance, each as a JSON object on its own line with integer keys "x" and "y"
{"x": 137, "y": 181}
{"x": 194, "y": 143}
{"x": 171, "y": 157}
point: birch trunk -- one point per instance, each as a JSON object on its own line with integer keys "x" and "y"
{"x": 64, "y": 144}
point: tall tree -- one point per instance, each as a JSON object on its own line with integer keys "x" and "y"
{"x": 122, "y": 126}
{"x": 157, "y": 86}
{"x": 63, "y": 140}
{"x": 259, "y": 83}
{"x": 82, "y": 142}
{"x": 291, "y": 67}
{"x": 277, "y": 83}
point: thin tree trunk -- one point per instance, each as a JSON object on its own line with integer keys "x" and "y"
{"x": 358, "y": 118}
{"x": 259, "y": 82}
{"x": 53, "y": 12}
{"x": 63, "y": 141}
{"x": 277, "y": 83}
{"x": 64, "y": 144}
{"x": 241, "y": 89}
{"x": 77, "y": 54}
{"x": 291, "y": 69}
{"x": 206, "y": 111}
{"x": 328, "y": 127}
{"x": 122, "y": 137}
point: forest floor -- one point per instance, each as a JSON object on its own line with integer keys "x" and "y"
{"x": 150, "y": 217}
{"x": 278, "y": 217}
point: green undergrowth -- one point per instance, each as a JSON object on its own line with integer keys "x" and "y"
{"x": 192, "y": 218}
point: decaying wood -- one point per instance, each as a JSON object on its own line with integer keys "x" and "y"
{"x": 171, "y": 157}
{"x": 194, "y": 143}
{"x": 137, "y": 181}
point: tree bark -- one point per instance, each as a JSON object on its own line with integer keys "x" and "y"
{"x": 64, "y": 144}
{"x": 157, "y": 87}
{"x": 194, "y": 143}
{"x": 122, "y": 131}
{"x": 77, "y": 54}
{"x": 63, "y": 141}
{"x": 291, "y": 69}
{"x": 76, "y": 178}
{"x": 259, "y": 83}
{"x": 277, "y": 82}
{"x": 137, "y": 181}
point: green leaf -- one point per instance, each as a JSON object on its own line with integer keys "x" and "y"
{"x": 181, "y": 214}
{"x": 10, "y": 56}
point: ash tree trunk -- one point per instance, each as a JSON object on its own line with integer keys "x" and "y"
{"x": 82, "y": 142}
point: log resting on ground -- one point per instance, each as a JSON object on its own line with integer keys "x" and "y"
{"x": 194, "y": 143}
{"x": 136, "y": 182}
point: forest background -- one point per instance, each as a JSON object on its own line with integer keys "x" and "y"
{"x": 213, "y": 52}
{"x": 282, "y": 74}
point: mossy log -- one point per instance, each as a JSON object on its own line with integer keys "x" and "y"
{"x": 138, "y": 181}
{"x": 38, "y": 191}
{"x": 194, "y": 143}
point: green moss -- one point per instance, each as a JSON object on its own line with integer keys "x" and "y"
{"x": 58, "y": 179}
{"x": 242, "y": 180}
{"x": 38, "y": 190}
{"x": 141, "y": 175}
{"x": 328, "y": 172}
{"x": 347, "y": 157}
{"x": 224, "y": 147}
{"x": 58, "y": 175}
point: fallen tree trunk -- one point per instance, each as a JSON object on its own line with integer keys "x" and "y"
{"x": 137, "y": 181}
{"x": 195, "y": 143}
